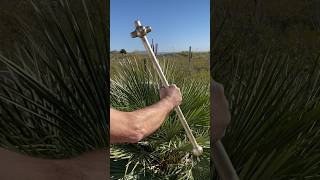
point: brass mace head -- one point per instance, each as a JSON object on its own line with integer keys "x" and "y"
{"x": 140, "y": 30}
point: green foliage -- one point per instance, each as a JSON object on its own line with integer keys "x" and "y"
{"x": 266, "y": 55}
{"x": 54, "y": 100}
{"x": 196, "y": 69}
{"x": 165, "y": 154}
{"x": 275, "y": 116}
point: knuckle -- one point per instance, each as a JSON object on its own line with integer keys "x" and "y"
{"x": 220, "y": 87}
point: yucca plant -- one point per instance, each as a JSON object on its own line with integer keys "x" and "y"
{"x": 274, "y": 102}
{"x": 54, "y": 97}
{"x": 165, "y": 154}
{"x": 272, "y": 91}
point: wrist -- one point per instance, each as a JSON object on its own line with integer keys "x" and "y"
{"x": 169, "y": 102}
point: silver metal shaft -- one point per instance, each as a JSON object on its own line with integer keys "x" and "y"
{"x": 141, "y": 32}
{"x": 221, "y": 159}
{"x": 222, "y": 162}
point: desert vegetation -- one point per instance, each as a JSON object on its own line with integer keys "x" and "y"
{"x": 167, "y": 153}
{"x": 267, "y": 56}
{"x": 54, "y": 83}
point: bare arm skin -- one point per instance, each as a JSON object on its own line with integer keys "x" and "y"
{"x": 89, "y": 166}
{"x": 220, "y": 114}
{"x": 131, "y": 127}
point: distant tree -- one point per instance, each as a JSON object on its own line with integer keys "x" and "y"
{"x": 123, "y": 51}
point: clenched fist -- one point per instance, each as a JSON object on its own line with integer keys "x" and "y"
{"x": 172, "y": 94}
{"x": 220, "y": 114}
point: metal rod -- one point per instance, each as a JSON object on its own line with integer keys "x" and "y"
{"x": 141, "y": 32}
{"x": 222, "y": 162}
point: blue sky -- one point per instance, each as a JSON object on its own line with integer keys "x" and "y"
{"x": 176, "y": 24}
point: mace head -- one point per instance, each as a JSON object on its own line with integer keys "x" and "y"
{"x": 197, "y": 151}
{"x": 140, "y": 30}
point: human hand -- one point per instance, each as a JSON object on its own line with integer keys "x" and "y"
{"x": 172, "y": 94}
{"x": 220, "y": 114}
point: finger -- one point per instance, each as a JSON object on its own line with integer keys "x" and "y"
{"x": 218, "y": 92}
{"x": 218, "y": 133}
{"x": 217, "y": 85}
{"x": 173, "y": 86}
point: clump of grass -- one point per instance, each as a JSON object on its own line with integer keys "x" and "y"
{"x": 54, "y": 102}
{"x": 274, "y": 103}
{"x": 165, "y": 154}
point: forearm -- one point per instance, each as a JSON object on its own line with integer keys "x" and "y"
{"x": 93, "y": 165}
{"x": 151, "y": 117}
{"x": 14, "y": 166}
{"x": 131, "y": 127}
